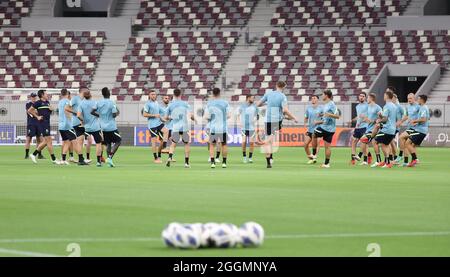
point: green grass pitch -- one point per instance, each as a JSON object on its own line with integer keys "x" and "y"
{"x": 305, "y": 210}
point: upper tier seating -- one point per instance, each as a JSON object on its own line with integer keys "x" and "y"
{"x": 345, "y": 61}
{"x": 12, "y": 10}
{"x": 336, "y": 12}
{"x": 36, "y": 59}
{"x": 191, "y": 61}
{"x": 194, "y": 13}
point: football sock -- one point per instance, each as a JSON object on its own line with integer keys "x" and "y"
{"x": 99, "y": 159}
{"x": 360, "y": 154}
{"x": 244, "y": 154}
{"x": 390, "y": 158}
{"x": 250, "y": 155}
{"x": 88, "y": 156}
{"x": 217, "y": 154}
{"x": 406, "y": 160}
{"x": 365, "y": 159}
{"x": 71, "y": 154}
{"x": 395, "y": 157}
{"x": 224, "y": 160}
{"x": 35, "y": 153}
{"x": 186, "y": 160}
{"x": 268, "y": 161}
{"x": 327, "y": 161}
{"x": 170, "y": 155}
{"x": 80, "y": 157}
{"x": 213, "y": 161}
{"x": 63, "y": 156}
{"x": 53, "y": 157}
{"x": 369, "y": 155}
{"x": 27, "y": 152}
{"x": 401, "y": 153}
{"x": 353, "y": 157}
{"x": 378, "y": 158}
{"x": 314, "y": 151}
{"x": 271, "y": 156}
{"x": 159, "y": 154}
{"x": 155, "y": 156}
{"x": 414, "y": 156}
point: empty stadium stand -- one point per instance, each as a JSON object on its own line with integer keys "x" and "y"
{"x": 344, "y": 61}
{"x": 36, "y": 59}
{"x": 11, "y": 11}
{"x": 194, "y": 13}
{"x": 189, "y": 60}
{"x": 336, "y": 12}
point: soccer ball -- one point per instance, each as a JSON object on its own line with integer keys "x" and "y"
{"x": 186, "y": 237}
{"x": 224, "y": 236}
{"x": 205, "y": 237}
{"x": 168, "y": 234}
{"x": 251, "y": 234}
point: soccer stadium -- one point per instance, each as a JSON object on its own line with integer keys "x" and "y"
{"x": 237, "y": 128}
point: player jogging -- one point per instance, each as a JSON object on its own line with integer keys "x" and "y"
{"x": 217, "y": 112}
{"x": 276, "y": 103}
{"x": 179, "y": 112}
{"x": 33, "y": 129}
{"x": 153, "y": 111}
{"x": 327, "y": 126}
{"x": 248, "y": 115}
{"x": 313, "y": 115}
{"x": 412, "y": 113}
{"x": 360, "y": 127}
{"x": 373, "y": 113}
{"x": 66, "y": 131}
{"x": 106, "y": 110}
{"x": 420, "y": 130}
{"x": 387, "y": 132}
{"x": 42, "y": 110}
{"x": 91, "y": 123}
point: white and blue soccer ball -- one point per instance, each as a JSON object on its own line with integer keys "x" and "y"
{"x": 205, "y": 237}
{"x": 251, "y": 234}
{"x": 224, "y": 235}
{"x": 183, "y": 236}
{"x": 168, "y": 234}
{"x": 186, "y": 237}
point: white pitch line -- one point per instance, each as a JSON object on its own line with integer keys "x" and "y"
{"x": 359, "y": 235}
{"x": 25, "y": 253}
{"x": 287, "y": 236}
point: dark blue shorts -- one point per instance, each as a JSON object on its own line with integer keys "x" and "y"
{"x": 384, "y": 138}
{"x": 33, "y": 130}
{"x": 45, "y": 129}
{"x": 417, "y": 138}
{"x": 321, "y": 133}
{"x": 359, "y": 132}
{"x": 157, "y": 131}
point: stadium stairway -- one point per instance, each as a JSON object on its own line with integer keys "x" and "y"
{"x": 415, "y": 7}
{"x": 261, "y": 16}
{"x": 127, "y": 8}
{"x": 236, "y": 66}
{"x": 107, "y": 67}
{"x": 42, "y": 8}
{"x": 243, "y": 52}
{"x": 440, "y": 93}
